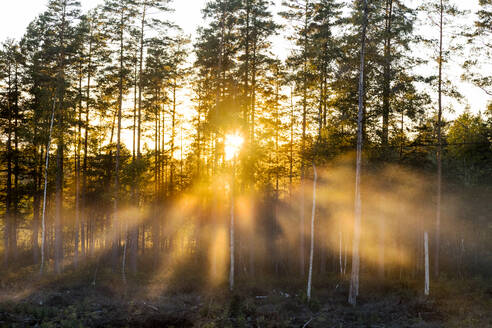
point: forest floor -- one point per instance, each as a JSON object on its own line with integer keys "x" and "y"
{"x": 73, "y": 300}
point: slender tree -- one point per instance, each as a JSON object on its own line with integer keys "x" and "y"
{"x": 120, "y": 18}
{"x": 354, "y": 279}
{"x": 300, "y": 13}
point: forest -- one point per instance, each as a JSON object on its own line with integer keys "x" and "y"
{"x": 294, "y": 163}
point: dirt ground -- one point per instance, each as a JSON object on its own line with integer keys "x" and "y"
{"x": 64, "y": 303}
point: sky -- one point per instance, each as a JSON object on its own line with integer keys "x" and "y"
{"x": 14, "y": 19}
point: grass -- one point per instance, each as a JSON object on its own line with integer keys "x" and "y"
{"x": 71, "y": 300}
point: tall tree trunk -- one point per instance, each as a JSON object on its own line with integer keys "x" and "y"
{"x": 116, "y": 226}
{"x": 134, "y": 246}
{"x": 232, "y": 240}
{"x": 16, "y": 165}
{"x": 37, "y": 176}
{"x": 354, "y": 280}
{"x": 253, "y": 91}
{"x": 59, "y": 202}
{"x": 85, "y": 220}
{"x": 77, "y": 172}
{"x": 198, "y": 134}
{"x": 387, "y": 74}
{"x": 277, "y": 131}
{"x": 291, "y": 144}
{"x": 311, "y": 253}
{"x": 133, "y": 233}
{"x": 252, "y": 241}
{"x": 302, "y": 250}
{"x": 173, "y": 138}
{"x": 426, "y": 250}
{"x": 9, "y": 191}
{"x": 439, "y": 149}
{"x": 60, "y": 149}
{"x": 46, "y": 166}
{"x": 163, "y": 149}
{"x": 155, "y": 218}
{"x": 140, "y": 79}
{"x": 246, "y": 68}
{"x": 386, "y": 114}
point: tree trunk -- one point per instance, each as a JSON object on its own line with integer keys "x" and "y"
{"x": 173, "y": 138}
{"x": 386, "y": 114}
{"x": 439, "y": 149}
{"x": 77, "y": 172}
{"x": 232, "y": 241}
{"x": 84, "y": 218}
{"x": 116, "y": 222}
{"x": 387, "y": 75}
{"x": 46, "y": 166}
{"x": 16, "y": 193}
{"x": 354, "y": 280}
{"x": 38, "y": 173}
{"x": 426, "y": 249}
{"x": 132, "y": 237}
{"x": 60, "y": 149}
{"x": 9, "y": 192}
{"x": 140, "y": 80}
{"x": 302, "y": 250}
{"x": 311, "y": 254}
{"x": 59, "y": 204}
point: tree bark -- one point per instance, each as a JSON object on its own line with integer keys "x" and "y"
{"x": 9, "y": 191}
{"x": 387, "y": 75}
{"x": 426, "y": 248}
{"x": 60, "y": 149}
{"x": 46, "y": 166}
{"x": 311, "y": 254}
{"x": 354, "y": 280}
{"x": 116, "y": 226}
{"x": 232, "y": 241}
{"x": 439, "y": 149}
{"x": 77, "y": 172}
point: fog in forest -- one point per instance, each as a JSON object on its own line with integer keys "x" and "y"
{"x": 294, "y": 163}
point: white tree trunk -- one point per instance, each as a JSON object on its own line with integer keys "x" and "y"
{"x": 231, "y": 272}
{"x": 426, "y": 250}
{"x": 46, "y": 166}
{"x": 439, "y": 148}
{"x": 311, "y": 253}
{"x": 302, "y": 232}
{"x": 340, "y": 251}
{"x": 354, "y": 279}
{"x": 345, "y": 258}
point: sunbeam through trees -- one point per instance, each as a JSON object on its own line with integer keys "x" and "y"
{"x": 167, "y": 178}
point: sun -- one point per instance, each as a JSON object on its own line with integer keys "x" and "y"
{"x": 233, "y": 143}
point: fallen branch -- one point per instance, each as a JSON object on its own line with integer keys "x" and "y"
{"x": 153, "y": 307}
{"x": 307, "y": 323}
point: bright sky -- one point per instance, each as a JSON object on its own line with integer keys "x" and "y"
{"x": 16, "y": 15}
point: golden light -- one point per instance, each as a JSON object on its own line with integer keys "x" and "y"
{"x": 233, "y": 143}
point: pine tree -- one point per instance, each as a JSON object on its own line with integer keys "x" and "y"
{"x": 354, "y": 279}
{"x": 10, "y": 58}
{"x": 481, "y": 41}
{"x": 94, "y": 53}
{"x": 327, "y": 17}
{"x": 38, "y": 73}
{"x": 121, "y": 15}
{"x": 59, "y": 43}
{"x": 300, "y": 13}
{"x": 441, "y": 15}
